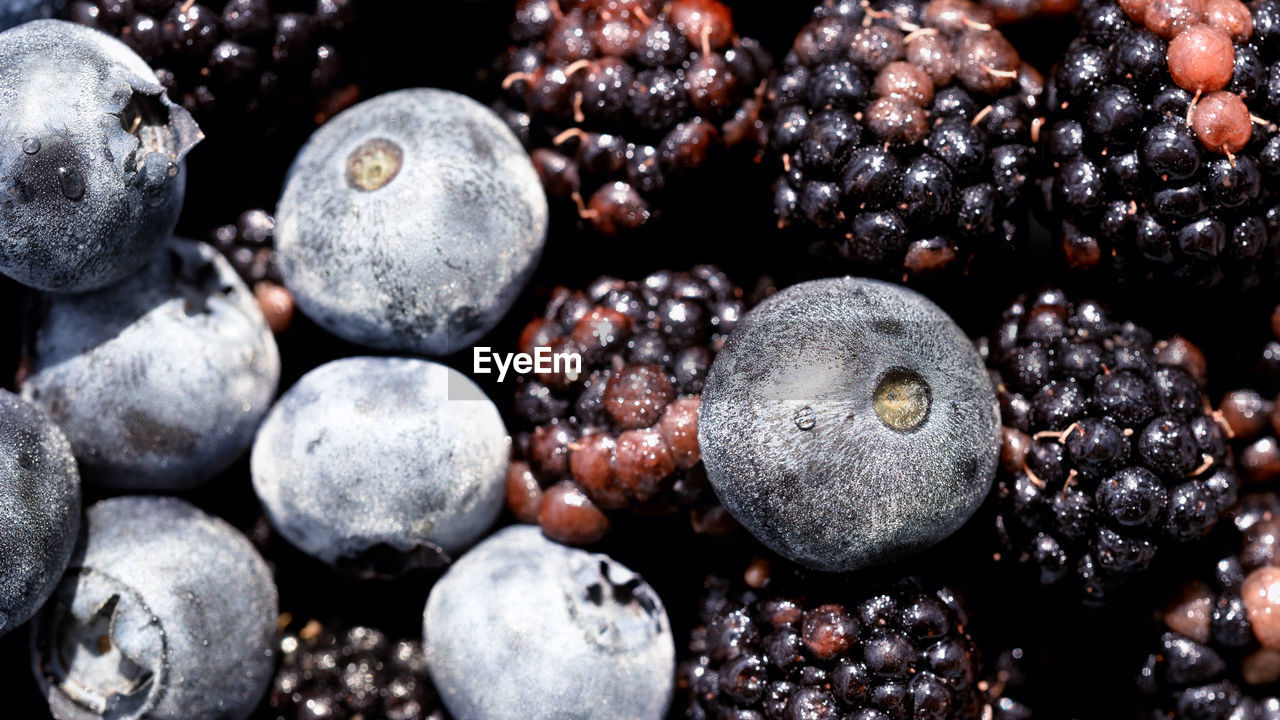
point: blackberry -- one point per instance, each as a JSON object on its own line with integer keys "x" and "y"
{"x": 617, "y": 100}
{"x": 1157, "y": 164}
{"x": 249, "y": 245}
{"x": 900, "y": 651}
{"x": 1218, "y": 653}
{"x": 225, "y": 59}
{"x": 1006, "y": 11}
{"x": 903, "y": 133}
{"x": 1252, "y": 416}
{"x": 356, "y": 672}
{"x": 1109, "y": 452}
{"x": 623, "y": 431}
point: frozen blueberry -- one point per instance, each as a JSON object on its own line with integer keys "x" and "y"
{"x": 91, "y": 154}
{"x": 382, "y": 465}
{"x": 849, "y": 422}
{"x": 158, "y": 381}
{"x": 16, "y": 12}
{"x": 166, "y": 613}
{"x": 411, "y": 222}
{"x": 39, "y": 509}
{"x": 522, "y": 628}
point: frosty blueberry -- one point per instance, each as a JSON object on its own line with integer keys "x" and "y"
{"x": 381, "y": 465}
{"x": 159, "y": 381}
{"x": 39, "y": 509}
{"x": 165, "y": 613}
{"x": 410, "y": 222}
{"x": 849, "y": 422}
{"x": 522, "y": 628}
{"x": 91, "y": 156}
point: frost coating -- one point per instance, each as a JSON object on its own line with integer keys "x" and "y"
{"x": 900, "y": 431}
{"x": 39, "y": 509}
{"x": 159, "y": 381}
{"x": 366, "y": 463}
{"x": 91, "y": 157}
{"x": 166, "y": 613}
{"x": 411, "y": 222}
{"x": 522, "y": 628}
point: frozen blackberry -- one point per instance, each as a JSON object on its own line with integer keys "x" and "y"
{"x": 903, "y": 133}
{"x": 356, "y": 672}
{"x": 249, "y": 245}
{"x": 1158, "y": 164}
{"x": 622, "y": 431}
{"x": 1218, "y": 654}
{"x": 1109, "y": 453}
{"x": 900, "y": 651}
{"x": 617, "y": 100}
{"x": 225, "y": 59}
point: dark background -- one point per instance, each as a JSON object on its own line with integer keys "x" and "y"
{"x": 1082, "y": 662}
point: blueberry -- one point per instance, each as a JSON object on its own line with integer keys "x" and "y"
{"x": 411, "y": 222}
{"x": 522, "y": 628}
{"x": 159, "y": 381}
{"x": 848, "y": 422}
{"x": 16, "y": 12}
{"x": 165, "y": 612}
{"x": 39, "y": 509}
{"x": 381, "y": 465}
{"x": 91, "y": 173}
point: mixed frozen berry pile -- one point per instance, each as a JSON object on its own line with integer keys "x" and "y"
{"x": 640, "y": 359}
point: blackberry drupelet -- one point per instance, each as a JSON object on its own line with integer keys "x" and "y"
{"x": 1218, "y": 656}
{"x": 900, "y": 651}
{"x": 249, "y": 245}
{"x": 1109, "y": 453}
{"x": 618, "y": 99}
{"x": 623, "y": 432}
{"x": 1158, "y": 162}
{"x": 903, "y": 132}
{"x": 224, "y": 59}
{"x": 356, "y": 672}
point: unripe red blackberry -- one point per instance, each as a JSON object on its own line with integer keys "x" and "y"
{"x": 620, "y": 100}
{"x": 622, "y": 432}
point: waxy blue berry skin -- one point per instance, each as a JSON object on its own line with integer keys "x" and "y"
{"x": 91, "y": 158}
{"x": 39, "y": 509}
{"x": 382, "y": 465}
{"x": 411, "y": 222}
{"x": 523, "y": 628}
{"x": 159, "y": 381}
{"x": 166, "y": 613}
{"x": 16, "y": 12}
{"x": 849, "y": 422}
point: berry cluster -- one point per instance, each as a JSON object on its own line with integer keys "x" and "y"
{"x": 618, "y": 99}
{"x": 222, "y": 59}
{"x": 358, "y": 672}
{"x": 1157, "y": 147}
{"x": 903, "y": 131}
{"x": 249, "y": 245}
{"x": 896, "y": 652}
{"x": 1220, "y": 639}
{"x": 622, "y": 432}
{"x": 1108, "y": 450}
